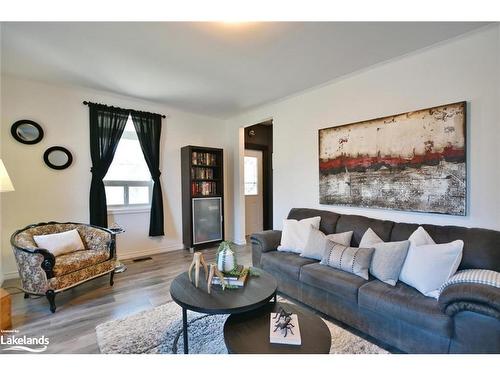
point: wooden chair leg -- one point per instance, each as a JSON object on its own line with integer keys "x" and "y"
{"x": 220, "y": 276}
{"x": 111, "y": 277}
{"x": 51, "y": 296}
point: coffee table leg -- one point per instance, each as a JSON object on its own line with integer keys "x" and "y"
{"x": 185, "y": 330}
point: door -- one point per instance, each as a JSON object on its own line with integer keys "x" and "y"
{"x": 254, "y": 203}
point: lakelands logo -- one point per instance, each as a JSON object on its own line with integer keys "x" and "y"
{"x": 11, "y": 341}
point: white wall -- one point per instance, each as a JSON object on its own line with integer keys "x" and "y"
{"x": 1, "y": 262}
{"x": 466, "y": 68}
{"x": 44, "y": 194}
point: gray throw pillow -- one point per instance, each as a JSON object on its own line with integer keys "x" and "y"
{"x": 316, "y": 242}
{"x": 388, "y": 258}
{"x": 355, "y": 260}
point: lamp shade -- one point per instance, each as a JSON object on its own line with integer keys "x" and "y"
{"x": 5, "y": 182}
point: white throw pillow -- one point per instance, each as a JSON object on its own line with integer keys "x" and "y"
{"x": 429, "y": 265}
{"x": 317, "y": 240}
{"x": 295, "y": 233}
{"x": 60, "y": 243}
{"x": 421, "y": 237}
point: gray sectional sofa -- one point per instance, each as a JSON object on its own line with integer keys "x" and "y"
{"x": 465, "y": 319}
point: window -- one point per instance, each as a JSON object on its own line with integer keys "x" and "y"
{"x": 251, "y": 175}
{"x": 128, "y": 181}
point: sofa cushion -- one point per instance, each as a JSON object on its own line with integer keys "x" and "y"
{"x": 405, "y": 303}
{"x": 360, "y": 224}
{"x": 78, "y": 260}
{"x": 286, "y": 263}
{"x": 331, "y": 280}
{"x": 481, "y": 246}
{"x": 328, "y": 218}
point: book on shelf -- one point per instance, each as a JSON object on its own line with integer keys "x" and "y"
{"x": 204, "y": 188}
{"x": 202, "y": 173}
{"x": 277, "y": 336}
{"x": 203, "y": 158}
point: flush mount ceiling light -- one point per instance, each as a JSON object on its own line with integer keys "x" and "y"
{"x": 235, "y": 23}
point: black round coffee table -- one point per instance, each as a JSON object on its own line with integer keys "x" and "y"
{"x": 248, "y": 333}
{"x": 257, "y": 292}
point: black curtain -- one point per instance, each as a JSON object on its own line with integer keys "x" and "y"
{"x": 106, "y": 128}
{"x": 148, "y": 128}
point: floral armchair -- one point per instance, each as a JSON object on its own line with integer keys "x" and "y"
{"x": 42, "y": 273}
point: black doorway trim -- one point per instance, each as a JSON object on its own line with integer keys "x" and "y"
{"x": 267, "y": 183}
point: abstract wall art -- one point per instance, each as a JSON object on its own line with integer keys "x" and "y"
{"x": 414, "y": 161}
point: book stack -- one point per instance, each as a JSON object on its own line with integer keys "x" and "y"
{"x": 203, "y": 158}
{"x": 287, "y": 336}
{"x": 202, "y": 173}
{"x": 235, "y": 279}
{"x": 204, "y": 188}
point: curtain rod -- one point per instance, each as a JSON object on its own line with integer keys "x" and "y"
{"x": 87, "y": 103}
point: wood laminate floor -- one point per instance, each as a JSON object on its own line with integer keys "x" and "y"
{"x": 71, "y": 329}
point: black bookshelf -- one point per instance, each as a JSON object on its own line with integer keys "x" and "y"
{"x": 202, "y": 196}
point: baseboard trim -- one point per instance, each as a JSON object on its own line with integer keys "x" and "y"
{"x": 148, "y": 252}
{"x": 240, "y": 241}
{"x": 10, "y": 275}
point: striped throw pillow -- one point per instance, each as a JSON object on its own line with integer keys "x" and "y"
{"x": 355, "y": 260}
{"x": 477, "y": 276}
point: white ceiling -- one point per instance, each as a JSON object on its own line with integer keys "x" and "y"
{"x": 216, "y": 69}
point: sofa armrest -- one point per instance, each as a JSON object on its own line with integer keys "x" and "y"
{"x": 96, "y": 238}
{"x": 35, "y": 268}
{"x": 263, "y": 242}
{"x": 476, "y": 297}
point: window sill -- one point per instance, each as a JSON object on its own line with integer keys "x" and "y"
{"x": 128, "y": 210}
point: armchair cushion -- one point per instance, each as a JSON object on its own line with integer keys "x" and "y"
{"x": 472, "y": 290}
{"x": 78, "y": 260}
{"x": 69, "y": 280}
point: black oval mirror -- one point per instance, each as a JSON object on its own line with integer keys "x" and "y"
{"x": 27, "y": 132}
{"x": 57, "y": 157}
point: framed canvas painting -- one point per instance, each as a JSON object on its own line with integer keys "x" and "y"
{"x": 414, "y": 161}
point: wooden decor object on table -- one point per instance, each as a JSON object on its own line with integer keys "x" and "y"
{"x": 5, "y": 310}
{"x": 215, "y": 271}
{"x": 197, "y": 262}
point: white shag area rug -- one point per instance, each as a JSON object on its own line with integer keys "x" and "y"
{"x": 159, "y": 330}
